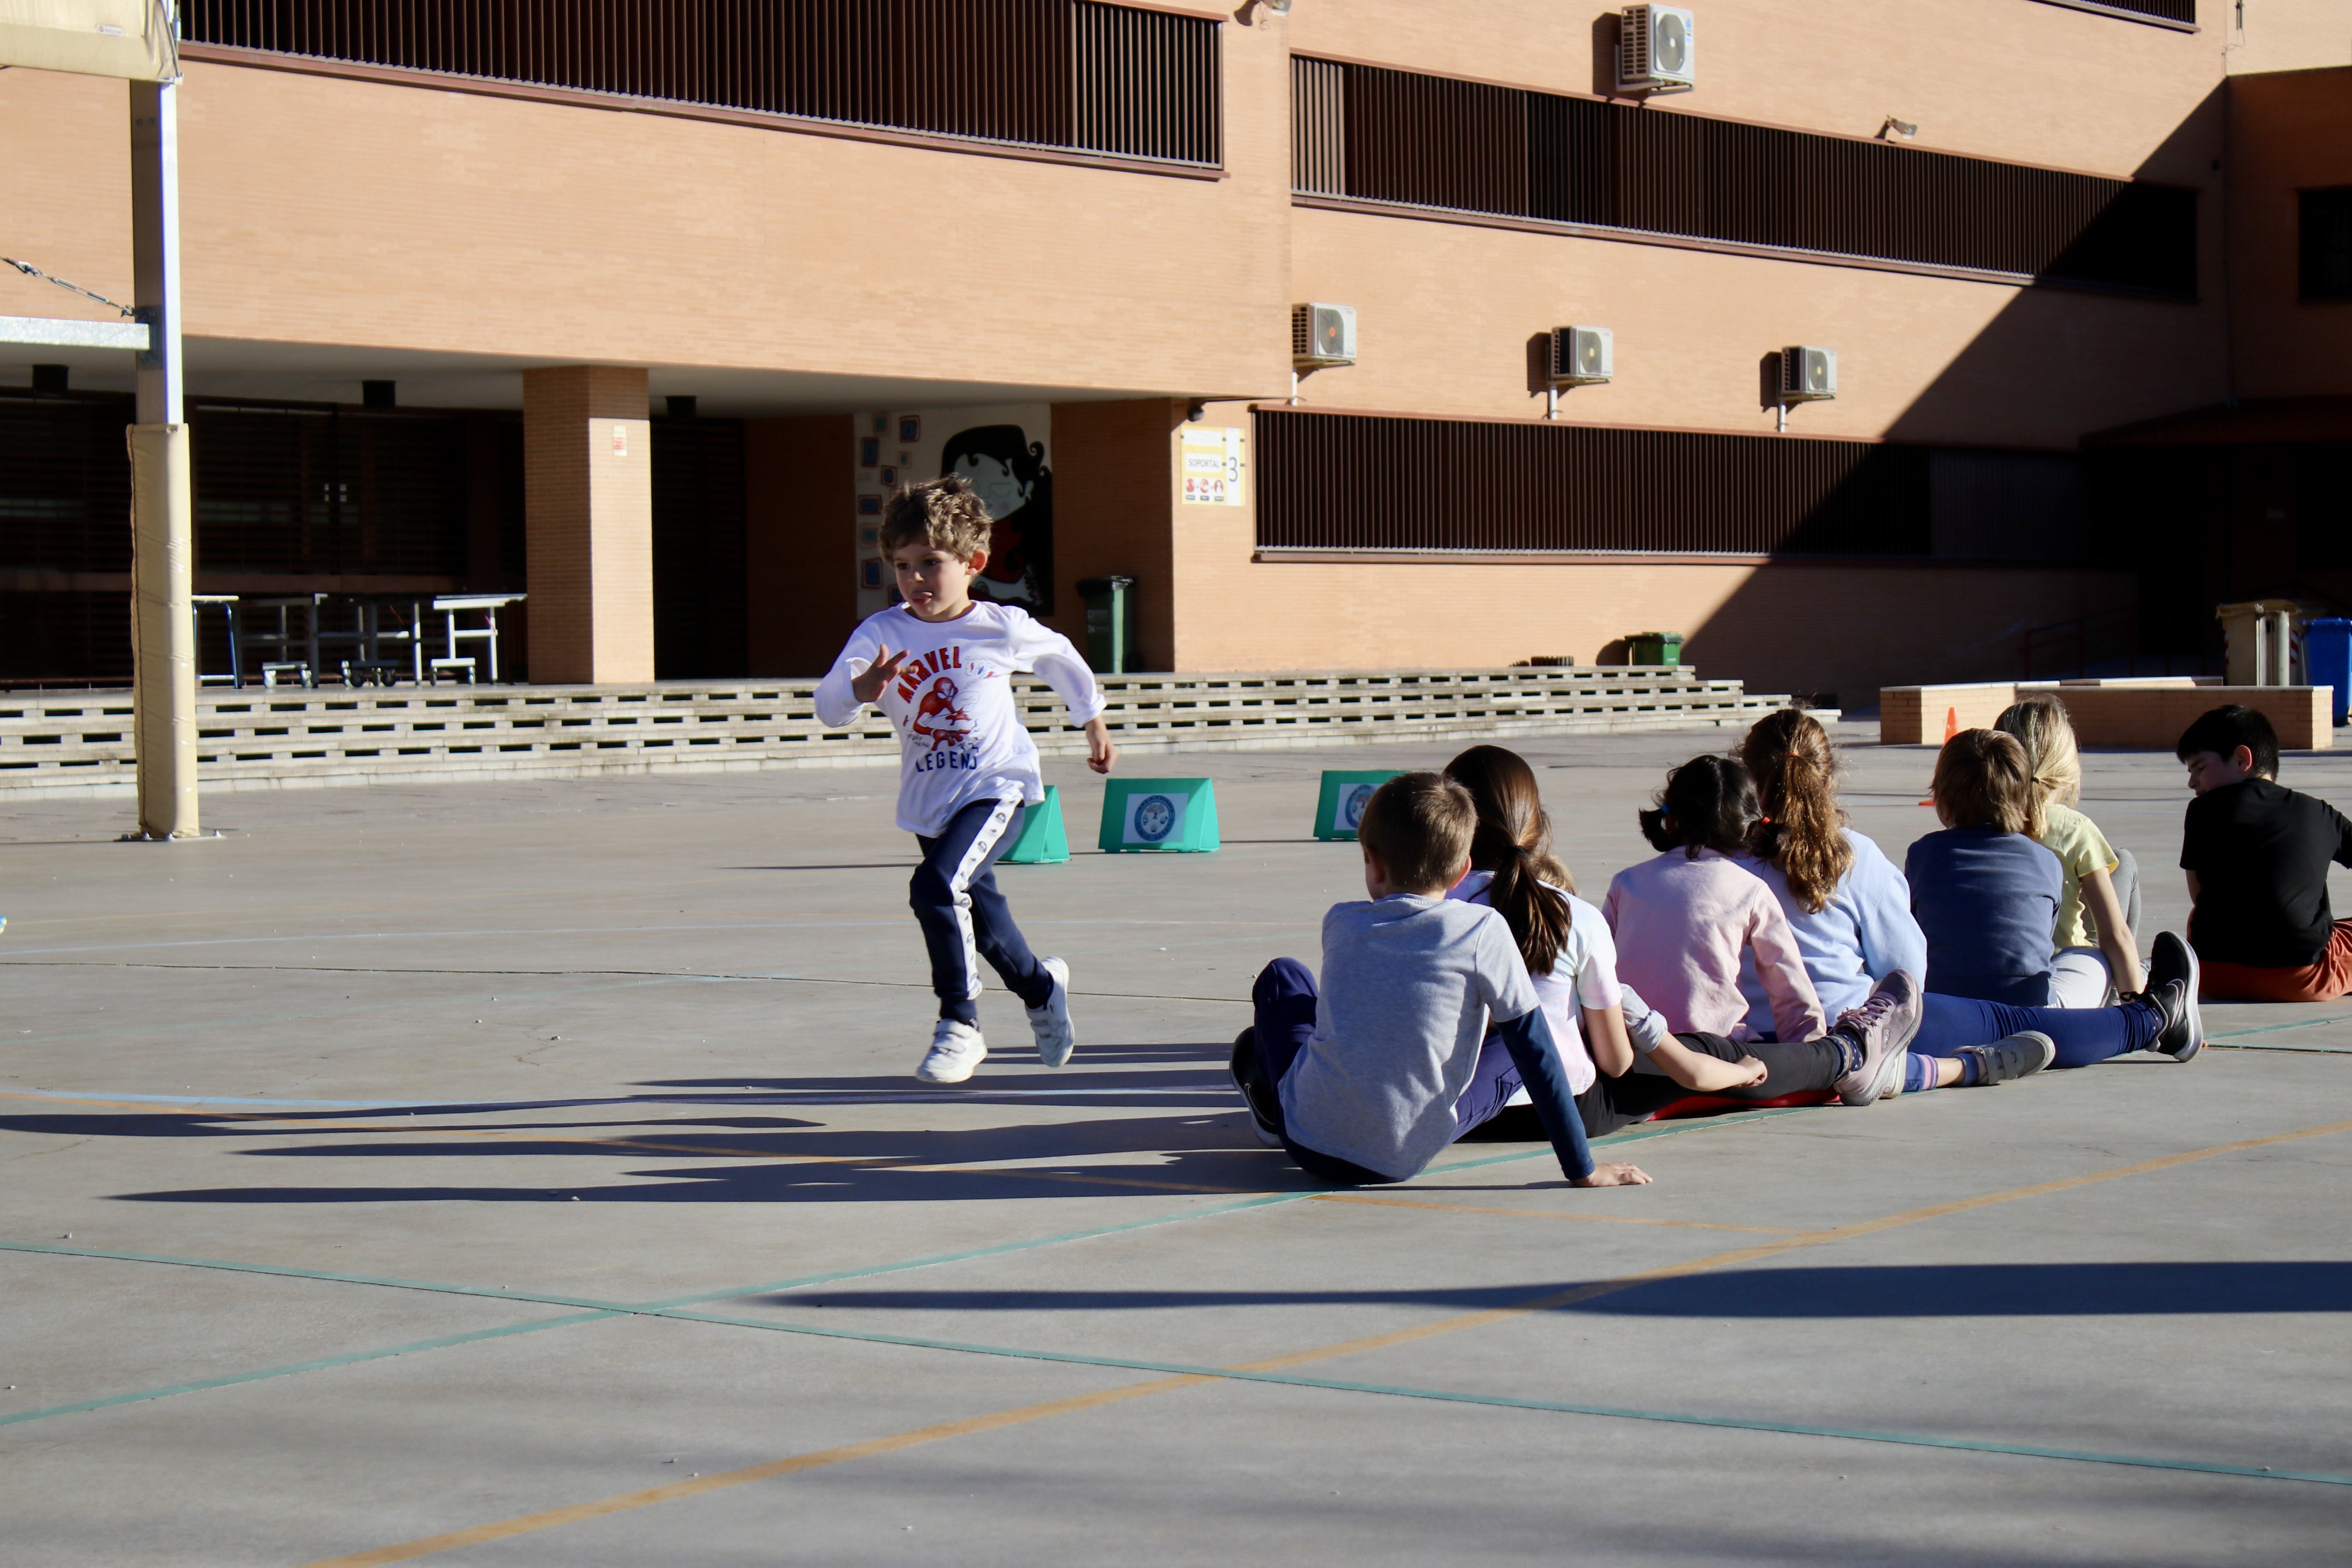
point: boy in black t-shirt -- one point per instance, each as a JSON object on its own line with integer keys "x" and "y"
{"x": 2257, "y": 858}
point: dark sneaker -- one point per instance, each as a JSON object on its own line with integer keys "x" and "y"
{"x": 1266, "y": 1121}
{"x": 2183, "y": 1034}
{"x": 1883, "y": 1026}
{"x": 2170, "y": 958}
{"x": 2021, "y": 1056}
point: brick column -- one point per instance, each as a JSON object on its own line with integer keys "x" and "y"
{"x": 1114, "y": 511}
{"x": 588, "y": 509}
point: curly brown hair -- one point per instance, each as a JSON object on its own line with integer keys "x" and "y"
{"x": 939, "y": 514}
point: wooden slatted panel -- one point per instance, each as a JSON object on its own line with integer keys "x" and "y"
{"x": 1435, "y": 141}
{"x": 1341, "y": 481}
{"x": 1076, "y": 74}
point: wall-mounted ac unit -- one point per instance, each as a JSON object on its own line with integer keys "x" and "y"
{"x": 1808, "y": 374}
{"x": 1581, "y": 356}
{"x": 1322, "y": 336}
{"x": 1657, "y": 49}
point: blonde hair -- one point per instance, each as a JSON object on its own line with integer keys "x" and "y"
{"x": 1803, "y": 830}
{"x": 2042, "y": 727}
{"x": 1982, "y": 780}
{"x": 938, "y": 514}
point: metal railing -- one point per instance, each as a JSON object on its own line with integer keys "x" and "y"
{"x": 1404, "y": 138}
{"x": 1345, "y": 481}
{"x": 1077, "y": 75}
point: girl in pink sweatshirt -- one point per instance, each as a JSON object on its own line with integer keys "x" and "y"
{"x": 1682, "y": 919}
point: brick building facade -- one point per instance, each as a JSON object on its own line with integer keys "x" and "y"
{"x": 2075, "y": 259}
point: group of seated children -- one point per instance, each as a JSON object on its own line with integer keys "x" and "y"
{"x": 1769, "y": 952}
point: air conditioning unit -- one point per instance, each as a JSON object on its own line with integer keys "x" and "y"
{"x": 1808, "y": 374}
{"x": 1657, "y": 49}
{"x": 1580, "y": 356}
{"x": 1322, "y": 336}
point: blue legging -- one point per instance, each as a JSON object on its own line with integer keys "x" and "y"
{"x": 2083, "y": 1035}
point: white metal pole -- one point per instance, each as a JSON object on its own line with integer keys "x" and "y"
{"x": 162, "y": 562}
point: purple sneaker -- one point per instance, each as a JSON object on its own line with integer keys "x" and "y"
{"x": 1883, "y": 1027}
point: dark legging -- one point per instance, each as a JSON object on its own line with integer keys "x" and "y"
{"x": 1614, "y": 1102}
{"x": 2083, "y": 1035}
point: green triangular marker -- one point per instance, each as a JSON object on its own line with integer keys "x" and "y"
{"x": 1044, "y": 841}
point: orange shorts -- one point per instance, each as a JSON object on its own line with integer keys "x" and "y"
{"x": 2329, "y": 978}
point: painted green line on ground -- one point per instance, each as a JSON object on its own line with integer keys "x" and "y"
{"x": 1739, "y": 1423}
{"x": 2275, "y": 1029}
{"x": 528, "y": 1298}
{"x": 597, "y": 1312}
{"x": 320, "y": 1364}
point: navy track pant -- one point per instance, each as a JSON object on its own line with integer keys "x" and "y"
{"x": 965, "y": 919}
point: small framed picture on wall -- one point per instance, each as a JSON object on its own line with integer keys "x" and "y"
{"x": 869, "y": 572}
{"x": 890, "y": 475}
{"x": 870, "y": 506}
{"x": 869, "y": 451}
{"x": 910, "y": 428}
{"x": 881, "y": 424}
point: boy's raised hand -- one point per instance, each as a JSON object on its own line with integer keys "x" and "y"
{"x": 1614, "y": 1174}
{"x": 867, "y": 684}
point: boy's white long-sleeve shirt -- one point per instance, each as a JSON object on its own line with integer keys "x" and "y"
{"x": 961, "y": 738}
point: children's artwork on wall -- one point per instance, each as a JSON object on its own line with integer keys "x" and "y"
{"x": 1003, "y": 453}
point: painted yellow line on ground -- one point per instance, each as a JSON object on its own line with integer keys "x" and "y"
{"x": 1555, "y": 1214}
{"x": 481, "y": 1534}
{"x": 526, "y": 1523}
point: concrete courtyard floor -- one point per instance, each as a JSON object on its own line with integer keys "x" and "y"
{"x": 534, "y": 1174}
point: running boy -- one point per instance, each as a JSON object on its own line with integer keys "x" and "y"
{"x": 1370, "y": 1080}
{"x": 940, "y": 666}
{"x": 2257, "y": 858}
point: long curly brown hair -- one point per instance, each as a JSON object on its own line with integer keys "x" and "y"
{"x": 1803, "y": 830}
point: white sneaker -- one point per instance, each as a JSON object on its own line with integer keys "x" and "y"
{"x": 1051, "y": 1023}
{"x": 956, "y": 1049}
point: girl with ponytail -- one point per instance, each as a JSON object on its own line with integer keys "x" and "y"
{"x": 1847, "y": 906}
{"x": 2099, "y": 954}
{"x": 1572, "y": 958}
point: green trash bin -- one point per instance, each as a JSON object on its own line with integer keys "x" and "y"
{"x": 1655, "y": 647}
{"x": 1111, "y": 623}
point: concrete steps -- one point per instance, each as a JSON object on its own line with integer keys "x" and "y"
{"x": 79, "y": 744}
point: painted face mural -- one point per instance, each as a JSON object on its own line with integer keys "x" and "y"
{"x": 1009, "y": 471}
